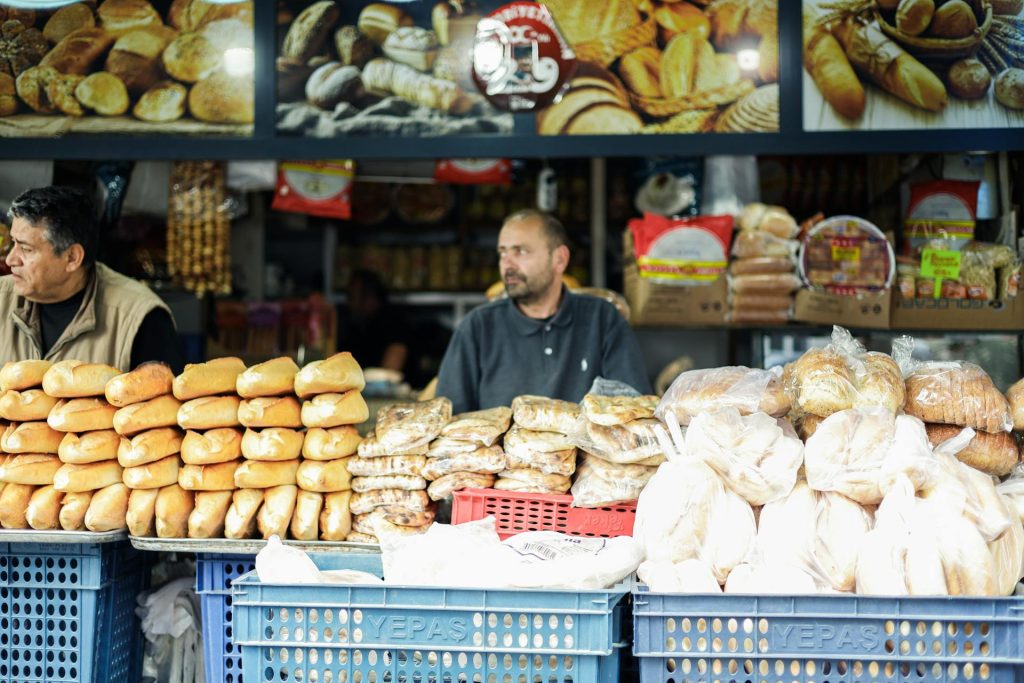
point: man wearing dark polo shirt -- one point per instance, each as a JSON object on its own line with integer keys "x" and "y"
{"x": 542, "y": 339}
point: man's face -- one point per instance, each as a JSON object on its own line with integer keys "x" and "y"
{"x": 37, "y": 270}
{"x": 527, "y": 262}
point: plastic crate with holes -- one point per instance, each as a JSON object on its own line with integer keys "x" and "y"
{"x": 827, "y": 639}
{"x": 402, "y": 634}
{"x": 67, "y": 612}
{"x": 222, "y": 659}
{"x": 519, "y": 512}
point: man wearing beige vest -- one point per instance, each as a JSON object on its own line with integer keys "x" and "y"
{"x": 60, "y": 304}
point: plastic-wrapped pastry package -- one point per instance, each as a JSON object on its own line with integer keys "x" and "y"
{"x": 599, "y": 483}
{"x": 747, "y": 390}
{"x": 403, "y": 427}
{"x": 545, "y": 414}
{"x": 484, "y": 427}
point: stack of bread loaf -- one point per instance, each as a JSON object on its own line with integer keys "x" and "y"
{"x": 616, "y": 437}
{"x": 146, "y": 424}
{"x": 390, "y": 491}
{"x": 468, "y": 453}
{"x": 761, "y": 277}
{"x": 539, "y": 452}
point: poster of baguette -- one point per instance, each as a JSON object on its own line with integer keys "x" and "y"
{"x": 913, "y": 64}
{"x": 182, "y": 67}
{"x": 385, "y": 69}
{"x": 668, "y": 67}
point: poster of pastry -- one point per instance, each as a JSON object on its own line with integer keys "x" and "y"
{"x": 182, "y": 67}
{"x": 668, "y": 67}
{"x": 913, "y": 64}
{"x": 384, "y": 69}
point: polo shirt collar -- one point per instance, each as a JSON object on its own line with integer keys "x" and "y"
{"x": 527, "y": 326}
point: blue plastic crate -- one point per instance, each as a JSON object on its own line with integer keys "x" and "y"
{"x": 421, "y": 634}
{"x": 222, "y": 659}
{"x": 67, "y": 612}
{"x": 833, "y": 639}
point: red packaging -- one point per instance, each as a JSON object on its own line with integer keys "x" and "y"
{"x": 318, "y": 188}
{"x": 681, "y": 251}
{"x": 473, "y": 171}
{"x": 941, "y": 210}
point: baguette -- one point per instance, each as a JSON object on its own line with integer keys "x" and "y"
{"x": 275, "y": 411}
{"x": 25, "y": 374}
{"x": 278, "y": 508}
{"x": 329, "y": 476}
{"x": 73, "y": 508}
{"x": 75, "y": 379}
{"x": 252, "y": 474}
{"x": 141, "y": 515}
{"x": 330, "y": 444}
{"x": 827, "y": 64}
{"x": 30, "y": 469}
{"x": 43, "y": 511}
{"x": 335, "y": 375}
{"x": 30, "y": 437}
{"x": 209, "y": 412}
{"x": 219, "y": 477}
{"x": 212, "y": 447}
{"x": 108, "y": 509}
{"x": 155, "y": 413}
{"x": 173, "y": 507}
{"x": 272, "y": 444}
{"x": 149, "y": 446}
{"x": 274, "y": 378}
{"x": 214, "y": 377}
{"x": 14, "y": 501}
{"x": 306, "y": 520}
{"x": 335, "y": 410}
{"x": 207, "y": 518}
{"x": 92, "y": 477}
{"x": 82, "y": 449}
{"x": 240, "y": 520}
{"x": 145, "y": 382}
{"x": 154, "y": 475}
{"x": 386, "y": 77}
{"x": 336, "y": 518}
{"x": 81, "y": 415}
{"x": 29, "y": 405}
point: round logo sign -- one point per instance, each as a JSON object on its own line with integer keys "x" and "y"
{"x": 521, "y": 61}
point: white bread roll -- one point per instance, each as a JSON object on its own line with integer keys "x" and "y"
{"x": 218, "y": 477}
{"x": 82, "y": 415}
{"x": 207, "y": 519}
{"x": 209, "y": 412}
{"x": 274, "y": 378}
{"x": 330, "y": 444}
{"x": 43, "y": 511}
{"x": 161, "y": 411}
{"x": 82, "y": 449}
{"x": 212, "y": 378}
{"x": 252, "y": 474}
{"x": 272, "y": 444}
{"x": 145, "y": 382}
{"x": 212, "y": 447}
{"x": 14, "y": 500}
{"x": 327, "y": 476}
{"x": 108, "y": 509}
{"x": 278, "y": 508}
{"x": 173, "y": 506}
{"x": 306, "y": 520}
{"x": 75, "y": 379}
{"x": 336, "y": 518}
{"x": 92, "y": 477}
{"x": 334, "y": 410}
{"x": 30, "y": 437}
{"x": 335, "y": 375}
{"x": 154, "y": 475}
{"x": 240, "y": 521}
{"x": 72, "y": 510}
{"x": 29, "y": 405}
{"x": 24, "y": 374}
{"x": 141, "y": 515}
{"x": 149, "y": 446}
{"x": 270, "y": 411}
{"x": 30, "y": 469}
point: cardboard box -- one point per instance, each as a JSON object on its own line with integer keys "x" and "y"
{"x": 868, "y": 311}
{"x": 658, "y": 305}
{"x": 957, "y": 314}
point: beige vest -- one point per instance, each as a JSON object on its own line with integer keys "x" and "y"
{"x": 102, "y": 331}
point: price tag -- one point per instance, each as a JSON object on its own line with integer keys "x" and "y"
{"x": 845, "y": 253}
{"x": 940, "y": 264}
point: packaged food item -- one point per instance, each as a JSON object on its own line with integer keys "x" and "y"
{"x": 483, "y": 426}
{"x": 541, "y": 414}
{"x": 402, "y": 427}
{"x": 763, "y": 245}
{"x": 748, "y": 390}
{"x": 846, "y": 255}
{"x": 599, "y": 483}
{"x": 681, "y": 251}
{"x": 941, "y": 209}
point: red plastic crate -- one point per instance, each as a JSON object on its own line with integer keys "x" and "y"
{"x": 519, "y": 512}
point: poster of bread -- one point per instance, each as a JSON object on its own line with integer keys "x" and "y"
{"x": 912, "y": 64}
{"x": 182, "y": 67}
{"x": 402, "y": 68}
{"x": 668, "y": 66}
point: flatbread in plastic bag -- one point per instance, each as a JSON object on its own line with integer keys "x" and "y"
{"x": 545, "y": 414}
{"x": 1008, "y": 555}
{"x": 611, "y": 411}
{"x": 483, "y": 460}
{"x": 600, "y": 483}
{"x": 370, "y": 447}
{"x": 404, "y": 426}
{"x": 1013, "y": 489}
{"x": 395, "y": 464}
{"x": 745, "y": 389}
{"x": 444, "y": 486}
{"x": 445, "y": 447}
{"x": 545, "y": 442}
{"x": 552, "y": 482}
{"x": 484, "y": 427}
{"x": 625, "y": 444}
{"x": 557, "y": 462}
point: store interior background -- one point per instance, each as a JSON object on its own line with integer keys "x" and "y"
{"x": 434, "y": 245}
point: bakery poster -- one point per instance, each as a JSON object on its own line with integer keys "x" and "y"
{"x": 913, "y": 64}
{"x": 382, "y": 69}
{"x": 182, "y": 67}
{"x": 668, "y": 67}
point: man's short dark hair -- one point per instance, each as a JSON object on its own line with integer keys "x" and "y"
{"x": 553, "y": 229}
{"x": 66, "y": 213}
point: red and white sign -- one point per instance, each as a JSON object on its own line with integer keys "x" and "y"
{"x": 473, "y": 171}
{"x": 319, "y": 188}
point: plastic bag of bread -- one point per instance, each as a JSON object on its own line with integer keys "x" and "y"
{"x": 370, "y": 447}
{"x": 545, "y": 414}
{"x": 745, "y": 389}
{"x": 484, "y": 460}
{"x": 628, "y": 443}
{"x": 395, "y": 464}
{"x": 994, "y": 454}
{"x": 444, "y": 447}
{"x": 557, "y": 462}
{"x": 954, "y": 393}
{"x": 787, "y": 533}
{"x": 759, "y": 244}
{"x": 770, "y": 579}
{"x": 599, "y": 483}
{"x": 1012, "y": 488}
{"x": 1015, "y": 397}
{"x": 774, "y": 220}
{"x": 482, "y": 426}
{"x": 403, "y": 482}
{"x": 417, "y": 501}
{"x": 1008, "y": 555}
{"x": 555, "y": 483}
{"x": 444, "y": 486}
{"x": 840, "y": 527}
{"x": 688, "y": 576}
{"x": 765, "y": 284}
{"x": 613, "y": 411}
{"x": 402, "y": 427}
{"x": 731, "y": 537}
{"x": 757, "y": 455}
{"x": 544, "y": 442}
{"x": 518, "y": 486}
{"x": 762, "y": 266}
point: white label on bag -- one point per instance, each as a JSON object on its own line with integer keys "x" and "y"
{"x": 558, "y": 548}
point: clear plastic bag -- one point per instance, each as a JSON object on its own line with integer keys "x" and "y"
{"x": 1008, "y": 555}
{"x": 750, "y": 244}
{"x": 688, "y": 576}
{"x": 599, "y": 483}
{"x": 557, "y": 462}
{"x": 1012, "y": 488}
{"x": 630, "y": 443}
{"x": 745, "y": 389}
{"x": 530, "y": 440}
{"x": 403, "y": 427}
{"x": 482, "y": 426}
{"x": 483, "y": 460}
{"x": 541, "y": 414}
{"x": 615, "y": 411}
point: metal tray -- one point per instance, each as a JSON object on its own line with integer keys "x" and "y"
{"x": 226, "y": 546}
{"x": 81, "y": 537}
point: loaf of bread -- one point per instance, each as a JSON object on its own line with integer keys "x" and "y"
{"x": 330, "y": 444}
{"x": 135, "y": 58}
{"x": 959, "y": 394}
{"x": 141, "y": 515}
{"x": 209, "y": 412}
{"x": 207, "y": 518}
{"x": 173, "y": 507}
{"x": 747, "y": 390}
{"x": 29, "y": 405}
{"x": 413, "y": 46}
{"x": 212, "y": 447}
{"x": 332, "y": 84}
{"x": 118, "y": 17}
{"x": 104, "y": 93}
{"x": 385, "y": 77}
{"x": 641, "y": 71}
{"x": 73, "y": 508}
{"x": 108, "y": 509}
{"x": 164, "y": 102}
{"x": 273, "y": 444}
{"x": 30, "y": 469}
{"x": 153, "y": 475}
{"x": 79, "y": 52}
{"x": 82, "y": 415}
{"x": 324, "y": 476}
{"x": 278, "y": 508}
{"x": 43, "y": 513}
{"x": 30, "y": 437}
{"x": 335, "y": 410}
{"x": 270, "y": 411}
{"x": 394, "y": 482}
{"x": 25, "y": 374}
{"x": 417, "y": 501}
{"x": 191, "y": 57}
{"x": 72, "y": 478}
{"x": 216, "y": 477}
{"x": 336, "y": 518}
{"x": 240, "y": 520}
{"x": 75, "y": 379}
{"x": 14, "y": 501}
{"x": 379, "y": 20}
{"x": 148, "y": 447}
{"x": 192, "y": 15}
{"x": 161, "y": 411}
{"x": 82, "y": 449}
{"x": 1014, "y": 396}
{"x": 308, "y": 33}
{"x": 274, "y": 378}
{"x": 212, "y": 378}
{"x": 67, "y": 20}
{"x": 306, "y": 520}
{"x": 254, "y": 474}
{"x": 60, "y": 91}
{"x": 148, "y": 381}
{"x": 994, "y": 454}
{"x": 335, "y": 375}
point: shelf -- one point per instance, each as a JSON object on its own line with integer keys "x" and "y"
{"x": 425, "y": 298}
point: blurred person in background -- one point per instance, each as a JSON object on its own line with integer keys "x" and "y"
{"x": 370, "y": 329}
